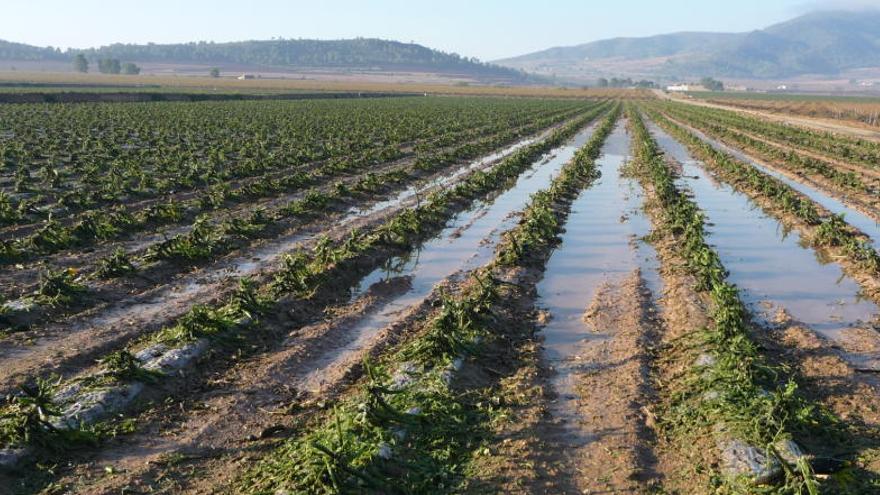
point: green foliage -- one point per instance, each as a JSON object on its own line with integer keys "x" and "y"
{"x": 109, "y": 66}
{"x": 129, "y": 68}
{"x": 122, "y": 365}
{"x": 26, "y": 417}
{"x": 80, "y": 63}
{"x": 59, "y": 287}
{"x": 711, "y": 84}
{"x": 116, "y": 265}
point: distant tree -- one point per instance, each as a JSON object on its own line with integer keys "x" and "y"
{"x": 712, "y": 84}
{"x": 602, "y": 82}
{"x": 215, "y": 72}
{"x": 620, "y": 83}
{"x": 130, "y": 69}
{"x": 109, "y": 66}
{"x": 80, "y": 64}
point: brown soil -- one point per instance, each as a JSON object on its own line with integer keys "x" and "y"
{"x": 828, "y": 380}
{"x": 71, "y": 344}
{"x": 201, "y": 443}
{"x": 615, "y": 390}
{"x": 851, "y": 129}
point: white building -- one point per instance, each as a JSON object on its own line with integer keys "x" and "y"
{"x": 683, "y": 87}
{"x": 245, "y": 76}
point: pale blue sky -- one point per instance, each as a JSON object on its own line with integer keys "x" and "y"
{"x": 487, "y": 29}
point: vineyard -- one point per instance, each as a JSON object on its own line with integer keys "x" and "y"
{"x": 435, "y": 294}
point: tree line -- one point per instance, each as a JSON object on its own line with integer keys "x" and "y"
{"x": 360, "y": 52}
{"x": 105, "y": 66}
{"x": 615, "y": 82}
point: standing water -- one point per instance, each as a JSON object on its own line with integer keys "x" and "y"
{"x": 600, "y": 244}
{"x": 853, "y": 216}
{"x": 769, "y": 265}
{"x": 467, "y": 241}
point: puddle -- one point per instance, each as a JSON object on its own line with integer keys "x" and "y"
{"x": 601, "y": 243}
{"x": 853, "y": 216}
{"x": 467, "y": 242}
{"x": 765, "y": 263}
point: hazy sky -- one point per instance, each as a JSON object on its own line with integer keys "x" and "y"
{"x": 487, "y": 29}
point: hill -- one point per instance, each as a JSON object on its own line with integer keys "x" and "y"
{"x": 20, "y": 51}
{"x": 824, "y": 43}
{"x": 357, "y": 54}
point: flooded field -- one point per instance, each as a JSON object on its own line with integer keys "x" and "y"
{"x": 772, "y": 266}
{"x": 430, "y": 295}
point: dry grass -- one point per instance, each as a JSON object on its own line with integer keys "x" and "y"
{"x": 226, "y": 84}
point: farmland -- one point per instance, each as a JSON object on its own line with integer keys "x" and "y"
{"x": 568, "y": 292}
{"x": 864, "y": 110}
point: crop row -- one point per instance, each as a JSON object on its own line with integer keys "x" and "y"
{"x": 181, "y": 147}
{"x": 102, "y": 225}
{"x": 39, "y": 416}
{"x": 832, "y": 231}
{"x": 797, "y": 163}
{"x": 731, "y": 392}
{"x": 206, "y": 240}
{"x": 854, "y": 150}
{"x": 407, "y": 428}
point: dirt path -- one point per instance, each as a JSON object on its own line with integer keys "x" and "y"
{"x": 683, "y": 312}
{"x": 615, "y": 390}
{"x": 610, "y": 446}
{"x": 812, "y": 123}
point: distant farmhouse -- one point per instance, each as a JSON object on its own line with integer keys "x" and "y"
{"x": 246, "y": 76}
{"x": 684, "y": 87}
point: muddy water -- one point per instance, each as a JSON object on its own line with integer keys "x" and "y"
{"x": 772, "y": 269}
{"x": 853, "y": 216}
{"x": 466, "y": 242}
{"x": 119, "y": 321}
{"x": 601, "y": 244}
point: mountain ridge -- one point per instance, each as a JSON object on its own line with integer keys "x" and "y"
{"x": 825, "y": 42}
{"x": 354, "y": 53}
